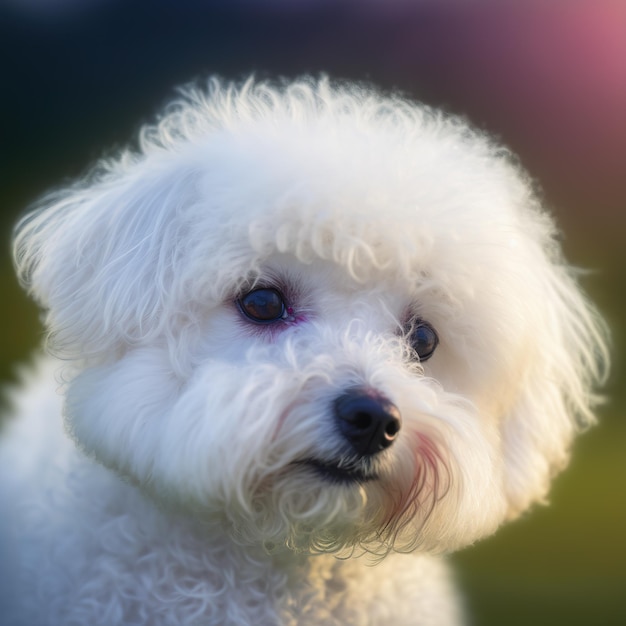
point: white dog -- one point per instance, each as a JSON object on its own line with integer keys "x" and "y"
{"x": 304, "y": 329}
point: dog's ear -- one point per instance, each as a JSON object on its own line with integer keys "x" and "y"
{"x": 556, "y": 398}
{"x": 99, "y": 257}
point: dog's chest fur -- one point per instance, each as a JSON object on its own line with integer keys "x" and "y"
{"x": 99, "y": 552}
{"x": 111, "y": 557}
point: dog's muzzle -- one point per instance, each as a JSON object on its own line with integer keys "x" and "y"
{"x": 368, "y": 421}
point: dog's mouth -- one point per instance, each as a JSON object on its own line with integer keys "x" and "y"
{"x": 341, "y": 473}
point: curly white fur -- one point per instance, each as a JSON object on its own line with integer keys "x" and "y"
{"x": 187, "y": 491}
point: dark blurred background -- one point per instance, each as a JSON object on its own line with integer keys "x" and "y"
{"x": 79, "y": 77}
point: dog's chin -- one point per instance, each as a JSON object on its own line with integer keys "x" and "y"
{"x": 336, "y": 504}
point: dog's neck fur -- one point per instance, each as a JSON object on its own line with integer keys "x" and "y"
{"x": 148, "y": 556}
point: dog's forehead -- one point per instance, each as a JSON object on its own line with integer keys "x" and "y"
{"x": 322, "y": 280}
{"x": 362, "y": 198}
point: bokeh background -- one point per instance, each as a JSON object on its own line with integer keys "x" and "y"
{"x": 548, "y": 77}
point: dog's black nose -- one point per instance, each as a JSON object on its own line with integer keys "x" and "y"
{"x": 369, "y": 422}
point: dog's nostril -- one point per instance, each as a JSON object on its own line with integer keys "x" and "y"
{"x": 369, "y": 423}
{"x": 392, "y": 428}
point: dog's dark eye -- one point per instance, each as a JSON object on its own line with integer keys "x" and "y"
{"x": 423, "y": 339}
{"x": 262, "y": 305}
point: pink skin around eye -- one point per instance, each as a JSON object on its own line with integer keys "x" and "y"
{"x": 292, "y": 318}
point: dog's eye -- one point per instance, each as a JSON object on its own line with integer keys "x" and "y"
{"x": 423, "y": 339}
{"x": 263, "y": 305}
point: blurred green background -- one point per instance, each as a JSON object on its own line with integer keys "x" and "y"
{"x": 547, "y": 77}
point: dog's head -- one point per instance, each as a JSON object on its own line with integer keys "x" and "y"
{"x": 331, "y": 318}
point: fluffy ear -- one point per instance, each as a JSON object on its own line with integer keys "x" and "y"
{"x": 569, "y": 358}
{"x": 99, "y": 257}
